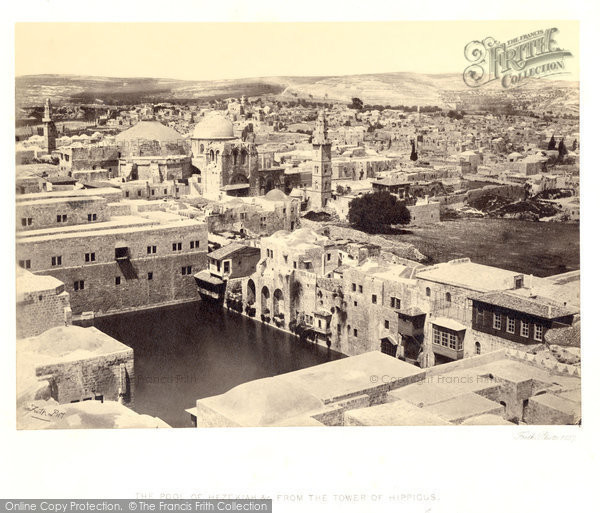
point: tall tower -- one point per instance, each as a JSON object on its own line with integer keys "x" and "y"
{"x": 320, "y": 190}
{"x": 49, "y": 128}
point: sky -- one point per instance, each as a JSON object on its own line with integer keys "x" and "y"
{"x": 211, "y": 51}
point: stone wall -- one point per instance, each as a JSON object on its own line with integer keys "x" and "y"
{"x": 424, "y": 213}
{"x": 101, "y": 293}
{"x": 41, "y": 310}
{"x": 43, "y": 212}
{"x": 110, "y": 376}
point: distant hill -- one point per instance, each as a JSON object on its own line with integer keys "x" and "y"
{"x": 384, "y": 89}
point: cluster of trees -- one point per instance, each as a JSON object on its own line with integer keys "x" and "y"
{"x": 376, "y": 212}
{"x": 453, "y": 114}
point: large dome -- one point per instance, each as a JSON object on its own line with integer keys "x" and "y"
{"x": 150, "y": 131}
{"x": 213, "y": 126}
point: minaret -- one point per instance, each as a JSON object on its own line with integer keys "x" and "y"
{"x": 320, "y": 191}
{"x": 49, "y": 128}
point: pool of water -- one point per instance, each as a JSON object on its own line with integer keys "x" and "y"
{"x": 186, "y": 352}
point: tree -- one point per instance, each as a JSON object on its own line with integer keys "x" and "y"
{"x": 413, "y": 154}
{"x": 552, "y": 143}
{"x": 356, "y": 104}
{"x": 248, "y": 129}
{"x": 574, "y": 147}
{"x": 377, "y": 211}
{"x": 562, "y": 149}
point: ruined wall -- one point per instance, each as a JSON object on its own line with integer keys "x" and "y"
{"x": 426, "y": 213}
{"x": 255, "y": 220}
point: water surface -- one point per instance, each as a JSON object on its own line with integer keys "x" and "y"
{"x": 186, "y": 352}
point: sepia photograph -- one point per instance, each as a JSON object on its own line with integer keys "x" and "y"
{"x": 325, "y": 256}
{"x": 207, "y": 238}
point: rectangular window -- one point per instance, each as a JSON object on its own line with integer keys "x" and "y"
{"x": 386, "y": 323}
{"x": 360, "y": 289}
{"x": 436, "y": 337}
{"x": 152, "y": 192}
{"x": 452, "y": 340}
{"x": 79, "y": 285}
{"x": 354, "y": 287}
{"x": 92, "y": 217}
{"x": 127, "y": 194}
{"x": 25, "y": 264}
{"x": 355, "y": 332}
{"x": 61, "y": 218}
{"x": 524, "y": 329}
{"x": 177, "y": 246}
{"x": 537, "y": 332}
{"x": 186, "y": 270}
{"x": 150, "y": 275}
{"x": 90, "y": 257}
{"x": 328, "y": 257}
{"x": 26, "y": 221}
{"x": 151, "y": 249}
{"x": 139, "y": 193}
{"x": 374, "y": 299}
{"x": 445, "y": 339}
{"x": 479, "y": 319}
{"x": 165, "y": 191}
{"x": 510, "y": 325}
{"x": 226, "y": 266}
{"x": 295, "y": 265}
{"x": 117, "y": 280}
{"x": 56, "y": 260}
{"x": 497, "y": 321}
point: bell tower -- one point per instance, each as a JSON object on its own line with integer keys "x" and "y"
{"x": 49, "y": 128}
{"x": 320, "y": 190}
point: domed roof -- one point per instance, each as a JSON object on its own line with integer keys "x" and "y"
{"x": 213, "y": 126}
{"x": 275, "y": 195}
{"x": 149, "y": 131}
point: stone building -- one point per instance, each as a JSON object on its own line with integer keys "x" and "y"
{"x": 226, "y": 163}
{"x": 372, "y": 389}
{"x": 257, "y": 216}
{"x": 79, "y": 364}
{"x": 111, "y": 263}
{"x": 80, "y": 158}
{"x": 42, "y": 303}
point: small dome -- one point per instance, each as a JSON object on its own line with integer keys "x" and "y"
{"x": 213, "y": 126}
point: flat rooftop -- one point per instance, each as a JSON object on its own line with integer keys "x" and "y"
{"x": 118, "y": 225}
{"x": 467, "y": 274}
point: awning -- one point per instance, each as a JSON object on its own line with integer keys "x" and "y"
{"x": 445, "y": 322}
{"x": 206, "y": 277}
{"x": 235, "y": 187}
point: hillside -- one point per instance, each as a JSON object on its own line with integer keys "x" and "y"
{"x": 383, "y": 88}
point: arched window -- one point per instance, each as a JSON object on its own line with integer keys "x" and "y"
{"x": 235, "y": 156}
{"x": 217, "y": 155}
{"x": 244, "y": 155}
{"x": 212, "y": 155}
{"x": 477, "y": 348}
{"x": 448, "y": 297}
{"x": 428, "y": 292}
